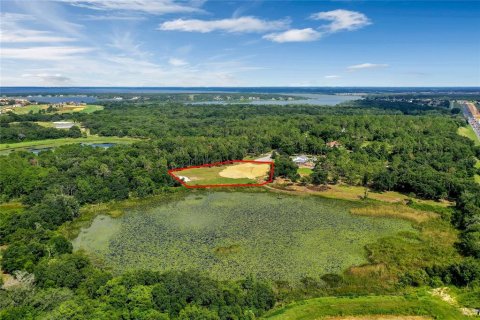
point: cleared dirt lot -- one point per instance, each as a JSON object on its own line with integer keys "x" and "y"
{"x": 224, "y": 174}
{"x": 245, "y": 170}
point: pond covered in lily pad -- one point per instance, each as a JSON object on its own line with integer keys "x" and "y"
{"x": 231, "y": 235}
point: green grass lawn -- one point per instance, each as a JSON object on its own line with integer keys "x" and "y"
{"x": 419, "y": 304}
{"x": 469, "y": 133}
{"x": 49, "y": 143}
{"x": 89, "y": 108}
{"x": 304, "y": 171}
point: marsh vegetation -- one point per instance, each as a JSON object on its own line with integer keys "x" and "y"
{"x": 232, "y": 235}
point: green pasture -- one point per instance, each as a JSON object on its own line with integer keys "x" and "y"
{"x": 89, "y": 108}
{"x": 419, "y": 303}
{"x": 50, "y": 143}
{"x": 231, "y": 235}
{"x": 469, "y": 133}
{"x": 304, "y": 171}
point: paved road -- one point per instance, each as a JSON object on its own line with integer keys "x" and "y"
{"x": 472, "y": 114}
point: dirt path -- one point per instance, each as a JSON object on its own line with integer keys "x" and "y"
{"x": 443, "y": 294}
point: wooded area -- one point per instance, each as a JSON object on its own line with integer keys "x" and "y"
{"x": 383, "y": 149}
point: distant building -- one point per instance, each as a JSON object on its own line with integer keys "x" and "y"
{"x": 300, "y": 159}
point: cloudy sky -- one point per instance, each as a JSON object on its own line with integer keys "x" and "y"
{"x": 239, "y": 43}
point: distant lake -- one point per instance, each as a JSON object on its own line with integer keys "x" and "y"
{"x": 312, "y": 99}
{"x": 279, "y": 90}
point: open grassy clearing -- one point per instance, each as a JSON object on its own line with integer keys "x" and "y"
{"x": 395, "y": 211}
{"x": 232, "y": 235}
{"x": 50, "y": 143}
{"x": 346, "y": 192}
{"x": 237, "y": 173}
{"x": 304, "y": 171}
{"x": 35, "y": 108}
{"x": 469, "y": 133}
{"x": 421, "y": 304}
{"x": 379, "y": 317}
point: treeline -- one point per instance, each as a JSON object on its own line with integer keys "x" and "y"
{"x": 412, "y": 154}
{"x": 97, "y": 175}
{"x": 413, "y": 107}
{"x": 29, "y": 131}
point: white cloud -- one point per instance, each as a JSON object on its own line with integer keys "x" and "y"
{"x": 342, "y": 20}
{"x": 48, "y": 77}
{"x": 333, "y": 76}
{"x": 241, "y": 24}
{"x": 13, "y": 30}
{"x": 294, "y": 35}
{"x": 367, "y": 66}
{"x": 126, "y": 44}
{"x": 108, "y": 17}
{"x": 43, "y": 53}
{"x": 177, "y": 62}
{"x": 145, "y": 6}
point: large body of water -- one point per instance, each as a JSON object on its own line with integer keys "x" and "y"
{"x": 312, "y": 99}
{"x": 279, "y": 90}
{"x": 232, "y": 235}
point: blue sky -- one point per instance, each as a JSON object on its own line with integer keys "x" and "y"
{"x": 239, "y": 43}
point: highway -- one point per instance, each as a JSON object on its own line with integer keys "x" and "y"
{"x": 472, "y": 114}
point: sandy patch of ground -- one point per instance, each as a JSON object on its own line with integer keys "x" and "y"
{"x": 443, "y": 294}
{"x": 380, "y": 317}
{"x": 245, "y": 170}
{"x": 9, "y": 281}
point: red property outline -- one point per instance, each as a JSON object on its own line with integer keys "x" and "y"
{"x": 214, "y": 164}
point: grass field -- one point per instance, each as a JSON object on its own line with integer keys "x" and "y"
{"x": 304, "y": 171}
{"x": 419, "y": 303}
{"x": 346, "y": 192}
{"x": 394, "y": 211}
{"x": 469, "y": 133}
{"x": 66, "y": 109}
{"x": 238, "y": 173}
{"x": 50, "y": 143}
{"x": 234, "y": 234}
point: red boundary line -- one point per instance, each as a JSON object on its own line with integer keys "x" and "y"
{"x": 214, "y": 164}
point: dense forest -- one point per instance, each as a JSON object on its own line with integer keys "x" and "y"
{"x": 28, "y": 131}
{"x": 384, "y": 148}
